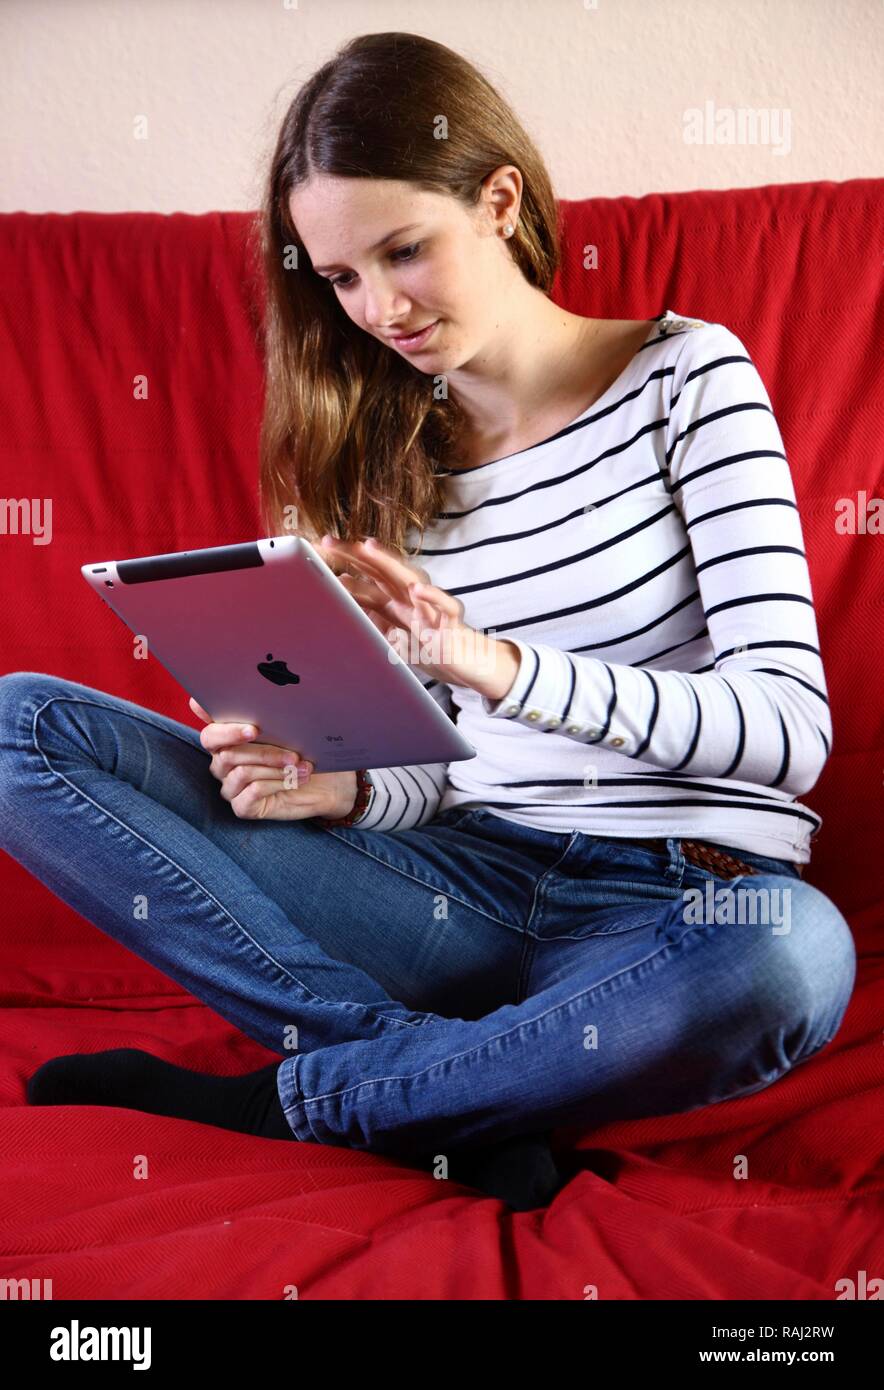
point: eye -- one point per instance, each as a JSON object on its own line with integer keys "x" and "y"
{"x": 414, "y": 248}
{"x": 399, "y": 255}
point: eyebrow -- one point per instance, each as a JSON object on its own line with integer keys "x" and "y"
{"x": 377, "y": 245}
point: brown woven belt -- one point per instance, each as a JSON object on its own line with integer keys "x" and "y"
{"x": 708, "y": 856}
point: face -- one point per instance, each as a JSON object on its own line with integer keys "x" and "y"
{"x": 448, "y": 267}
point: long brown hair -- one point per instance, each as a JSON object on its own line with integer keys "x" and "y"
{"x": 351, "y": 434}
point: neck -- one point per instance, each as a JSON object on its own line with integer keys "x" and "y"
{"x": 504, "y": 386}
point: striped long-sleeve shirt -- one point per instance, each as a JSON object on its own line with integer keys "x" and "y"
{"x": 647, "y": 561}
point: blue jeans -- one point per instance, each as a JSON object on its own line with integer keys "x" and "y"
{"x": 461, "y": 982}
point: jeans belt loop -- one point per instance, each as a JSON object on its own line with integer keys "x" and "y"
{"x": 717, "y": 860}
{"x": 706, "y": 856}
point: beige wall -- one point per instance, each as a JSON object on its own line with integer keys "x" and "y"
{"x": 604, "y": 86}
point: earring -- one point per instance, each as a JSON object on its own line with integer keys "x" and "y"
{"x": 508, "y": 229}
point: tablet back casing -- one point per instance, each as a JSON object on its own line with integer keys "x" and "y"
{"x": 264, "y": 632}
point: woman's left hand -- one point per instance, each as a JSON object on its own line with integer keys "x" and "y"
{"x": 424, "y": 623}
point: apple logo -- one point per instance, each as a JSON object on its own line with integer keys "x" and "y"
{"x": 277, "y": 671}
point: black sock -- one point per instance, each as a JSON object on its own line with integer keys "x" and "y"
{"x": 125, "y": 1076}
{"x": 519, "y": 1171}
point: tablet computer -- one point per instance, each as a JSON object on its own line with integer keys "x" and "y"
{"x": 264, "y": 632}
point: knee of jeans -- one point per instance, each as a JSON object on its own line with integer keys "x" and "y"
{"x": 21, "y": 694}
{"x": 810, "y": 967}
{"x": 21, "y": 688}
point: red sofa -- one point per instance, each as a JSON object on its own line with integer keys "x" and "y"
{"x": 652, "y": 1209}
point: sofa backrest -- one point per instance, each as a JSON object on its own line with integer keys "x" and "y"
{"x": 130, "y": 396}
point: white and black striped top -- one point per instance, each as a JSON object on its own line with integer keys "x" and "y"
{"x": 648, "y": 562}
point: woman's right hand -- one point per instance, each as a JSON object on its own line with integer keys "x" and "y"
{"x": 424, "y": 623}
{"x": 262, "y": 781}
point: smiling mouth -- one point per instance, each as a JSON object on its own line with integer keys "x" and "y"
{"x": 407, "y": 339}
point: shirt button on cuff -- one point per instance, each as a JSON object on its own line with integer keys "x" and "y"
{"x": 617, "y": 742}
{"x": 574, "y": 729}
{"x": 512, "y": 709}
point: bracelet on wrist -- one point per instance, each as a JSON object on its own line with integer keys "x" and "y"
{"x": 364, "y": 788}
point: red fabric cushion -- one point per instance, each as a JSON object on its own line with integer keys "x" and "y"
{"x": 91, "y": 303}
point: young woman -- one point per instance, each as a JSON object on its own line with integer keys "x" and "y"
{"x": 585, "y": 532}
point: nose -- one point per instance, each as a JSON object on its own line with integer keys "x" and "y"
{"x": 383, "y": 306}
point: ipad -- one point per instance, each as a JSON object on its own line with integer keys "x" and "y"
{"x": 264, "y": 632}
